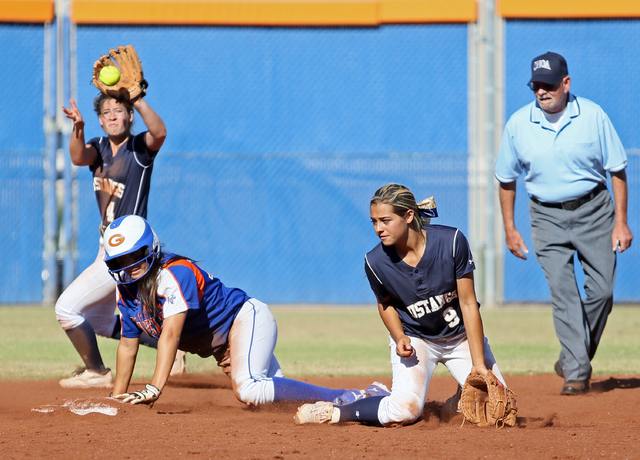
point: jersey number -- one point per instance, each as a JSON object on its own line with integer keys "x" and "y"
{"x": 450, "y": 315}
{"x": 110, "y": 212}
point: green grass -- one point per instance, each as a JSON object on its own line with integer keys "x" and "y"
{"x": 332, "y": 341}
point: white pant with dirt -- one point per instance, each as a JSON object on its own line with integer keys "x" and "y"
{"x": 90, "y": 297}
{"x": 411, "y": 377}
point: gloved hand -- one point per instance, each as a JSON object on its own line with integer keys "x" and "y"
{"x": 147, "y": 396}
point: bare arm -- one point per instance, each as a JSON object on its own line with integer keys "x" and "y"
{"x": 472, "y": 323}
{"x": 82, "y": 154}
{"x": 514, "y": 240}
{"x": 126, "y": 361}
{"x": 167, "y": 348}
{"x": 157, "y": 132}
{"x": 621, "y": 235}
{"x": 393, "y": 324}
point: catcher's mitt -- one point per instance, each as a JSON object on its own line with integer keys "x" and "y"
{"x": 486, "y": 401}
{"x": 132, "y": 84}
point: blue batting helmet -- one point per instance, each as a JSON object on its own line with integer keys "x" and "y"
{"x": 129, "y": 235}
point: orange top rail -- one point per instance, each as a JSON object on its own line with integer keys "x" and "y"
{"x": 26, "y": 10}
{"x": 307, "y": 12}
{"x": 273, "y": 12}
{"x": 571, "y": 9}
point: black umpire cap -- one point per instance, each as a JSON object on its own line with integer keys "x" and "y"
{"x": 548, "y": 68}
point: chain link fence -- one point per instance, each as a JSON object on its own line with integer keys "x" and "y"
{"x": 278, "y": 137}
{"x": 21, "y": 162}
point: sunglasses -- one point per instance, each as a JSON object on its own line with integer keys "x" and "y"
{"x": 537, "y": 85}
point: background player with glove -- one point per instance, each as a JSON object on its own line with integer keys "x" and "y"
{"x": 422, "y": 276}
{"x": 121, "y": 164}
{"x": 174, "y": 300}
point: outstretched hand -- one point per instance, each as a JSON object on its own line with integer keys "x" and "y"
{"x": 73, "y": 113}
{"x": 147, "y": 396}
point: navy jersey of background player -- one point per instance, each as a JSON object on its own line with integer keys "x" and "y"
{"x": 122, "y": 183}
{"x": 425, "y": 296}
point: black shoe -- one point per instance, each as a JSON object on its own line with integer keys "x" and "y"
{"x": 575, "y": 387}
{"x": 558, "y": 368}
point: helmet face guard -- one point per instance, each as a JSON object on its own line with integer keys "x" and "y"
{"x": 129, "y": 241}
{"x": 119, "y": 273}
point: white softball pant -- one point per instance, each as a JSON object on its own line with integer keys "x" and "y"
{"x": 411, "y": 377}
{"x": 91, "y": 297}
{"x": 252, "y": 341}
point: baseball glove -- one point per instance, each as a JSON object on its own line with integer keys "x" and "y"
{"x": 132, "y": 84}
{"x": 485, "y": 401}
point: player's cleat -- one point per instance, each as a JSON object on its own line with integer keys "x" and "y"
{"x": 320, "y": 412}
{"x": 377, "y": 389}
{"x": 86, "y": 378}
{"x": 179, "y": 364}
{"x": 349, "y": 396}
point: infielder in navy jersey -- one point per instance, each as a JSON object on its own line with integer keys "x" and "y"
{"x": 422, "y": 276}
{"x": 121, "y": 164}
{"x": 175, "y": 301}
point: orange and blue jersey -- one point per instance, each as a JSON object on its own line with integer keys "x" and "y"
{"x": 184, "y": 286}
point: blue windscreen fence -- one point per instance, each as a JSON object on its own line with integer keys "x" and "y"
{"x": 278, "y": 137}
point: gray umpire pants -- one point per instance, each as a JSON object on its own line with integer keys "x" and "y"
{"x": 557, "y": 235}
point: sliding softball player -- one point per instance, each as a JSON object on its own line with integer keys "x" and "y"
{"x": 174, "y": 300}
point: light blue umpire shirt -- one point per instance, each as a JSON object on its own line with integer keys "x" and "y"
{"x": 564, "y": 165}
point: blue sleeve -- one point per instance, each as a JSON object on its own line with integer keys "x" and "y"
{"x": 375, "y": 283}
{"x": 462, "y": 254}
{"x": 145, "y": 155}
{"x": 95, "y": 143}
{"x": 614, "y": 158}
{"x": 508, "y": 167}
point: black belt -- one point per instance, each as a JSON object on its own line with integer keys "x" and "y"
{"x": 573, "y": 204}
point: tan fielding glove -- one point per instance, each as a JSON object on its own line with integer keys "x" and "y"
{"x": 485, "y": 401}
{"x": 132, "y": 84}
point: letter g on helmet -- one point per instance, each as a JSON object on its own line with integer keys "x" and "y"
{"x": 116, "y": 240}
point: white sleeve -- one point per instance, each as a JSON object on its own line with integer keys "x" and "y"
{"x": 170, "y": 290}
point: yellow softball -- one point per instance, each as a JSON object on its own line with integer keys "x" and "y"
{"x": 109, "y": 75}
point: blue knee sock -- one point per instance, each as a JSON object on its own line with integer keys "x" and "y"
{"x": 363, "y": 411}
{"x": 294, "y": 390}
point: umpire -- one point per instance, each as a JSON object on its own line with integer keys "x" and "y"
{"x": 565, "y": 144}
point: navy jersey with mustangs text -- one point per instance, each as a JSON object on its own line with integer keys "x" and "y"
{"x": 122, "y": 182}
{"x": 425, "y": 296}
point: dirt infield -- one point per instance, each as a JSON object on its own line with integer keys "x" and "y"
{"x": 198, "y": 417}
